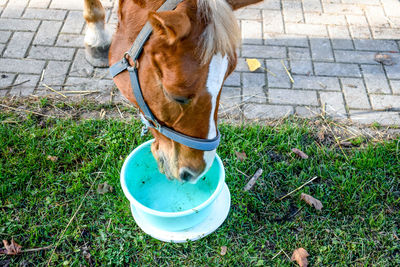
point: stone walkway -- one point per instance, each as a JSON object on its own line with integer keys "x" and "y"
{"x": 328, "y": 46}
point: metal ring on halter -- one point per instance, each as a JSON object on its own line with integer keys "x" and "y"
{"x": 135, "y": 61}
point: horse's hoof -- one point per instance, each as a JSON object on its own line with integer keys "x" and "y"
{"x": 97, "y": 56}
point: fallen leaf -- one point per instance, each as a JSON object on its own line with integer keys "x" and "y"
{"x": 52, "y": 158}
{"x": 104, "y": 188}
{"x": 223, "y": 250}
{"x": 300, "y": 153}
{"x": 253, "y": 64}
{"x": 384, "y": 59}
{"x": 300, "y": 256}
{"x": 311, "y": 201}
{"x": 10, "y": 249}
{"x": 321, "y": 135}
{"x": 241, "y": 155}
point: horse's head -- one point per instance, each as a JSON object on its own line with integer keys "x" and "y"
{"x": 181, "y": 71}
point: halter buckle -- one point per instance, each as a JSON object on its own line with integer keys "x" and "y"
{"x": 135, "y": 62}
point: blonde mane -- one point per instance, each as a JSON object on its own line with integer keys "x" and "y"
{"x": 222, "y": 34}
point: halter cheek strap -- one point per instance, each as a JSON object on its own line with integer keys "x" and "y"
{"x": 147, "y": 117}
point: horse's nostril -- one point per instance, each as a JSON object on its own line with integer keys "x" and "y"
{"x": 186, "y": 175}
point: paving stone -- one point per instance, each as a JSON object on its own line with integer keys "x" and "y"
{"x": 375, "y": 79}
{"x": 70, "y": 40}
{"x": 300, "y": 60}
{"x": 73, "y": 23}
{"x": 391, "y": 7}
{"x": 285, "y": 40}
{"x": 376, "y": 16}
{"x": 2, "y": 46}
{"x": 80, "y": 67}
{"x": 386, "y": 33}
{"x": 267, "y": 4}
{"x": 385, "y": 101}
{"x": 233, "y": 79}
{"x": 18, "y": 24}
{"x": 51, "y": 53}
{"x": 328, "y": 19}
{"x": 245, "y": 13}
{"x": 70, "y": 4}
{"x": 39, "y": 3}
{"x": 101, "y": 73}
{"x": 383, "y": 118}
{"x": 280, "y": 78}
{"x": 297, "y": 53}
{"x": 4, "y": 36}
{"x": 357, "y": 20}
{"x": 292, "y": 11}
{"x": 312, "y": 6}
{"x": 251, "y": 32}
{"x": 359, "y": 57}
{"x": 253, "y": 87}
{"x": 6, "y": 79}
{"x": 47, "y": 33}
{"x": 395, "y": 86}
{"x": 19, "y": 44}
{"x": 376, "y": 45}
{"x": 362, "y": 2}
{"x": 242, "y": 65}
{"x": 358, "y": 32}
{"x": 26, "y": 89}
{"x": 316, "y": 82}
{"x": 337, "y": 69}
{"x": 342, "y": 9}
{"x": 321, "y": 49}
{"x": 307, "y": 112}
{"x": 355, "y": 93}
{"x": 45, "y": 14}
{"x": 340, "y": 37}
{"x": 263, "y": 112}
{"x": 14, "y": 8}
{"x": 55, "y": 74}
{"x": 88, "y": 84}
{"x": 333, "y": 103}
{"x": 307, "y": 29}
{"x": 262, "y": 51}
{"x": 272, "y": 21}
{"x": 393, "y": 72}
{"x": 285, "y": 96}
{"x": 230, "y": 102}
{"x": 21, "y": 65}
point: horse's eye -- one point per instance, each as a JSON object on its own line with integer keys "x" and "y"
{"x": 181, "y": 100}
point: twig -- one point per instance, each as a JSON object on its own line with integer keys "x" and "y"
{"x": 119, "y": 111}
{"x": 267, "y": 70}
{"x": 76, "y": 212}
{"x": 11, "y": 86}
{"x": 51, "y": 89}
{"x": 286, "y": 255}
{"x": 79, "y": 92}
{"x": 298, "y": 188}
{"x": 27, "y": 111}
{"x": 42, "y": 76}
{"x": 36, "y": 249}
{"x": 253, "y": 180}
{"x": 9, "y": 121}
{"x": 288, "y": 73}
{"x": 242, "y": 173}
{"x": 277, "y": 254}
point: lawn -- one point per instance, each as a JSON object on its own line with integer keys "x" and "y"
{"x": 49, "y": 167}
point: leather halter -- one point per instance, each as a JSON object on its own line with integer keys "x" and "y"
{"x": 148, "y": 118}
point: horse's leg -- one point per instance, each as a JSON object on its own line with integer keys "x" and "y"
{"x": 97, "y": 39}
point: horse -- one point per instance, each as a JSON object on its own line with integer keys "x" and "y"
{"x": 181, "y": 69}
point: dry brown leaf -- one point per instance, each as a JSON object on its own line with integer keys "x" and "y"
{"x": 253, "y": 64}
{"x": 223, "y": 250}
{"x": 300, "y": 256}
{"x": 104, "y": 188}
{"x": 321, "y": 135}
{"x": 300, "y": 153}
{"x": 52, "y": 158}
{"x": 384, "y": 59}
{"x": 241, "y": 155}
{"x": 10, "y": 249}
{"x": 311, "y": 201}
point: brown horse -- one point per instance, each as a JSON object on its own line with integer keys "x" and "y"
{"x": 184, "y": 63}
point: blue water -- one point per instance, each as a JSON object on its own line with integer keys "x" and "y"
{"x": 152, "y": 189}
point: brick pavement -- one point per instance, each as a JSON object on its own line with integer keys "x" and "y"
{"x": 327, "y": 45}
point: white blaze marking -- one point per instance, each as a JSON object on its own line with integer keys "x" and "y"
{"x": 216, "y": 74}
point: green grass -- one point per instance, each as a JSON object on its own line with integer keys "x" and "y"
{"x": 359, "y": 224}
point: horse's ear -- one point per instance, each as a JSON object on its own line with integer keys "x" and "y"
{"x": 171, "y": 25}
{"x": 235, "y": 4}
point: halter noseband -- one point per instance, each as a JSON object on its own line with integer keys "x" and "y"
{"x": 148, "y": 118}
